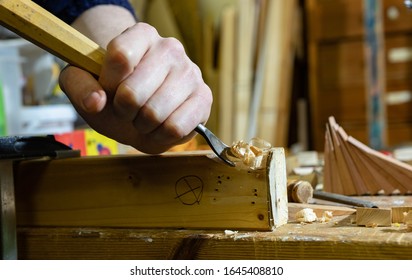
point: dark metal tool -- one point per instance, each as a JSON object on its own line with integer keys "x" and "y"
{"x": 218, "y": 147}
{"x": 20, "y": 147}
{"x": 344, "y": 199}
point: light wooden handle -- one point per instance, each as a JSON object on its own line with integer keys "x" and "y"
{"x": 37, "y": 25}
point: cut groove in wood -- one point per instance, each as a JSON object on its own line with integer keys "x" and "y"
{"x": 184, "y": 190}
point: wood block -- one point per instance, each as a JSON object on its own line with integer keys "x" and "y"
{"x": 176, "y": 190}
{"x": 372, "y": 217}
{"x": 398, "y": 213}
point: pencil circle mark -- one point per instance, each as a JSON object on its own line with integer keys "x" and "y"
{"x": 189, "y": 190}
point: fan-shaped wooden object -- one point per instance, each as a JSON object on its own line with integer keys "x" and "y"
{"x": 353, "y": 168}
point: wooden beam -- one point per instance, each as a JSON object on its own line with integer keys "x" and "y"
{"x": 184, "y": 190}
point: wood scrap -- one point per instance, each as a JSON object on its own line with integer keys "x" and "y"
{"x": 306, "y": 215}
{"x": 353, "y": 168}
{"x": 399, "y": 213}
{"x": 372, "y": 217}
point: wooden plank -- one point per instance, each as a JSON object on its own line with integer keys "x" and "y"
{"x": 261, "y": 60}
{"x": 274, "y": 105}
{"x": 373, "y": 217}
{"x": 245, "y": 47}
{"x": 226, "y": 74}
{"x": 285, "y": 70}
{"x": 184, "y": 190}
{"x": 337, "y": 239}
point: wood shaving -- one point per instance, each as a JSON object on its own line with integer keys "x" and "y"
{"x": 230, "y": 232}
{"x": 306, "y": 215}
{"x": 371, "y": 225}
{"x": 250, "y": 155}
{"x": 326, "y": 216}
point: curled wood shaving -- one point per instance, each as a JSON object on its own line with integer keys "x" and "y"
{"x": 326, "y": 216}
{"x": 306, "y": 215}
{"x": 250, "y": 155}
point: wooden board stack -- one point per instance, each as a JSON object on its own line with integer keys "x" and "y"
{"x": 353, "y": 168}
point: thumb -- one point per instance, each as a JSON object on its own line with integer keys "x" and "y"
{"x": 83, "y": 90}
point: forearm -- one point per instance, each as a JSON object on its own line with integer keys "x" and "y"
{"x": 103, "y": 22}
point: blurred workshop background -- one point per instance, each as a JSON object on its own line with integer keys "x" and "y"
{"x": 278, "y": 70}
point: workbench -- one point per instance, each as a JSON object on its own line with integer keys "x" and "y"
{"x": 339, "y": 238}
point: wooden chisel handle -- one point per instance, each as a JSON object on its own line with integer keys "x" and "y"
{"x": 42, "y": 28}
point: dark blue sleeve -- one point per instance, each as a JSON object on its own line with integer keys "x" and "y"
{"x": 69, "y": 10}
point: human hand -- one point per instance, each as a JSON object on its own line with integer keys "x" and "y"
{"x": 149, "y": 94}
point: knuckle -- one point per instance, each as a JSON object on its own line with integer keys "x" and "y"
{"x": 147, "y": 29}
{"x": 173, "y": 47}
{"x": 118, "y": 55}
{"x": 176, "y": 131}
{"x": 150, "y": 114}
{"x": 207, "y": 96}
{"x": 127, "y": 96}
